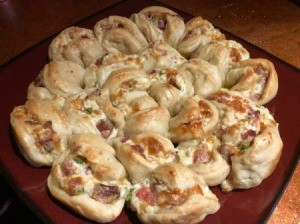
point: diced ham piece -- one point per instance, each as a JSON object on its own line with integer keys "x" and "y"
{"x": 146, "y": 195}
{"x": 47, "y": 144}
{"x": 75, "y": 186}
{"x": 106, "y": 26}
{"x": 172, "y": 81}
{"x": 106, "y": 193}
{"x": 67, "y": 168}
{"x": 93, "y": 95}
{"x": 125, "y": 139}
{"x": 201, "y": 156}
{"x": 248, "y": 133}
{"x": 37, "y": 82}
{"x": 105, "y": 127}
{"x": 162, "y": 24}
{"x": 189, "y": 35}
{"x": 138, "y": 149}
{"x": 255, "y": 97}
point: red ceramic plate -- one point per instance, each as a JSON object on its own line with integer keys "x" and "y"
{"x": 248, "y": 206}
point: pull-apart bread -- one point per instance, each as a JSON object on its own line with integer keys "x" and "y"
{"x": 149, "y": 111}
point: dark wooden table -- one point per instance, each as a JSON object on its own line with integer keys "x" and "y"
{"x": 271, "y": 25}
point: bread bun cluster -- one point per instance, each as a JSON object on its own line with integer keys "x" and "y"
{"x": 150, "y": 111}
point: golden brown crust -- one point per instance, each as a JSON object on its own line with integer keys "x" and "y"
{"x": 153, "y": 119}
{"x": 126, "y": 85}
{"x": 98, "y": 72}
{"x": 250, "y": 139}
{"x": 194, "y": 117}
{"x": 63, "y": 78}
{"x": 203, "y": 158}
{"x": 41, "y": 130}
{"x": 168, "y": 181}
{"x": 168, "y": 86}
{"x": 78, "y": 173}
{"x": 142, "y": 153}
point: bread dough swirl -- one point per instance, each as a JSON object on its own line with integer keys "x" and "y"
{"x": 76, "y": 44}
{"x": 159, "y": 23}
{"x": 250, "y": 139}
{"x": 88, "y": 178}
{"x": 198, "y": 33}
{"x": 119, "y": 35}
{"x": 174, "y": 194}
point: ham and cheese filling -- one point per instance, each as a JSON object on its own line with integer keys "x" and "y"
{"x": 98, "y": 72}
{"x": 160, "y": 55}
{"x": 204, "y": 29}
{"x": 193, "y": 121}
{"x": 46, "y": 139}
{"x": 77, "y": 178}
{"x": 151, "y": 149}
{"x": 259, "y": 76}
{"x": 158, "y": 20}
{"x": 127, "y": 91}
{"x": 171, "y": 78}
{"x": 157, "y": 195}
{"x": 241, "y": 122}
{"x": 88, "y": 115}
{"x": 197, "y": 152}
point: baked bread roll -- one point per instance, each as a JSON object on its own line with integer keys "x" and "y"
{"x": 86, "y": 115}
{"x": 254, "y": 164}
{"x": 89, "y": 179}
{"x": 223, "y": 54}
{"x": 249, "y": 139}
{"x": 76, "y": 44}
{"x": 142, "y": 153}
{"x": 120, "y": 34}
{"x": 112, "y": 113}
{"x": 205, "y": 77}
{"x": 37, "y": 91}
{"x": 197, "y": 33}
{"x": 194, "y": 117}
{"x": 155, "y": 119}
{"x": 168, "y": 86}
{"x": 174, "y": 194}
{"x": 203, "y": 158}
{"x": 41, "y": 130}
{"x": 126, "y": 85}
{"x": 63, "y": 78}
{"x": 159, "y": 23}
{"x": 97, "y": 73}
{"x": 160, "y": 55}
{"x": 255, "y": 78}
{"x": 142, "y": 103}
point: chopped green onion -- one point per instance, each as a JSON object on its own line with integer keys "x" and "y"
{"x": 89, "y": 110}
{"x": 129, "y": 194}
{"x": 79, "y": 159}
{"x": 79, "y": 191}
{"x": 243, "y": 147}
